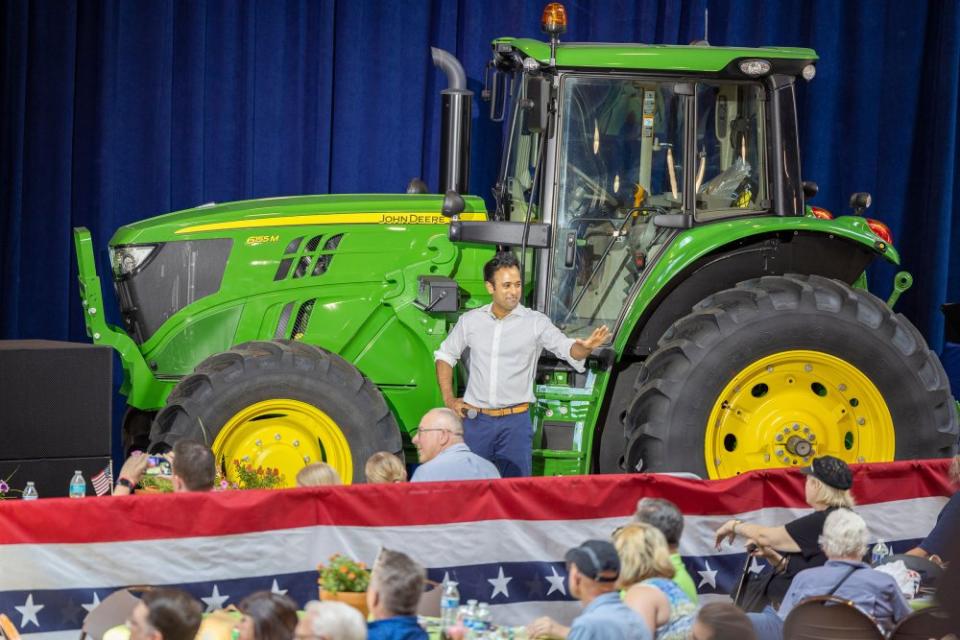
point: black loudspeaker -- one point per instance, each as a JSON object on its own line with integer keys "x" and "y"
{"x": 55, "y": 411}
{"x": 52, "y": 476}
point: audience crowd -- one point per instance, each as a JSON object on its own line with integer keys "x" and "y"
{"x": 633, "y": 586}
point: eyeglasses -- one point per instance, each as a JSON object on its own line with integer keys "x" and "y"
{"x": 419, "y": 431}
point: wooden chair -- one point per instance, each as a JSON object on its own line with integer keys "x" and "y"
{"x": 7, "y": 629}
{"x": 429, "y": 605}
{"x": 932, "y": 622}
{"x": 829, "y": 617}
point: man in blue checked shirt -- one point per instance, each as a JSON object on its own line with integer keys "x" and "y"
{"x": 505, "y": 340}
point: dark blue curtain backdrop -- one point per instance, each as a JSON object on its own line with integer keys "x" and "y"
{"x": 115, "y": 111}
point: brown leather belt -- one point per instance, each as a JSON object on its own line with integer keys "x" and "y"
{"x": 506, "y": 411}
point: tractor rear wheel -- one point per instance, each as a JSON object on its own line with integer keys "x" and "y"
{"x": 280, "y": 404}
{"x": 784, "y": 368}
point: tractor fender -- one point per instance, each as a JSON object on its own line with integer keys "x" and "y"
{"x": 711, "y": 258}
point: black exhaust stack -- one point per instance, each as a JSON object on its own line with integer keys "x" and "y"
{"x": 454, "y": 124}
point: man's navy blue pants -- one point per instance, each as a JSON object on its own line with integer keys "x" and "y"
{"x": 506, "y": 441}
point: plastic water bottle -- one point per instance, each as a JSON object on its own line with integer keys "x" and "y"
{"x": 880, "y": 552}
{"x": 449, "y": 604}
{"x": 483, "y": 622}
{"x": 78, "y": 486}
{"x": 30, "y": 492}
{"x": 468, "y": 616}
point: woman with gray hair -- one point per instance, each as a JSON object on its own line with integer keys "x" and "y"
{"x": 845, "y": 575}
{"x": 331, "y": 621}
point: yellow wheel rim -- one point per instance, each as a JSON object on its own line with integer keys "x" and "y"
{"x": 784, "y": 409}
{"x": 282, "y": 434}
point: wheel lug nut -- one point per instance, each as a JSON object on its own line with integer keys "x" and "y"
{"x": 808, "y": 368}
{"x": 245, "y": 459}
{"x": 306, "y": 459}
{"x": 812, "y": 437}
{"x": 779, "y": 437}
{"x": 769, "y": 369}
{"x": 296, "y": 443}
{"x": 259, "y": 442}
{"x": 862, "y": 421}
{"x": 842, "y": 387}
{"x": 766, "y": 457}
{"x": 796, "y": 427}
{"x": 276, "y": 436}
{"x": 779, "y": 452}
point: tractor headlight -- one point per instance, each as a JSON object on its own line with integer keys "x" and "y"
{"x": 755, "y": 68}
{"x": 126, "y": 259}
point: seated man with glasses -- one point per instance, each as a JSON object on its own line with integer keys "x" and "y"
{"x": 443, "y": 453}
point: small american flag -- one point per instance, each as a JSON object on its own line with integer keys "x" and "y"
{"x": 103, "y": 481}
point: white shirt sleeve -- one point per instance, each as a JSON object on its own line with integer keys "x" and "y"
{"x": 453, "y": 345}
{"x": 553, "y": 340}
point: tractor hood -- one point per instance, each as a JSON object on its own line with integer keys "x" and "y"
{"x": 215, "y": 220}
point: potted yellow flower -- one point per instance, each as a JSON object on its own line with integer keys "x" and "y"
{"x": 346, "y": 581}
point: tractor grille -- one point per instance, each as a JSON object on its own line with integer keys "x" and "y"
{"x": 307, "y": 259}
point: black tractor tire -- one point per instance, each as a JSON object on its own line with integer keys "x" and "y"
{"x": 699, "y": 355}
{"x": 226, "y": 383}
{"x": 135, "y": 430}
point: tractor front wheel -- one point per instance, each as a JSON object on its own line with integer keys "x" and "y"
{"x": 784, "y": 368}
{"x": 280, "y": 404}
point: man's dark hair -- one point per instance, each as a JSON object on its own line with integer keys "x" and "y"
{"x": 194, "y": 464}
{"x": 663, "y": 515}
{"x": 400, "y": 580}
{"x": 726, "y": 622}
{"x": 503, "y": 260}
{"x": 174, "y": 613}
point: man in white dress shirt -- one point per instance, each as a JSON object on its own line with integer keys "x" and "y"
{"x": 505, "y": 340}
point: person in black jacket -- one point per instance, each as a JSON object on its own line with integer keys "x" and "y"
{"x": 795, "y": 546}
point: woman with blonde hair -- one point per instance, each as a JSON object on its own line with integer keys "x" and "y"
{"x": 318, "y": 474}
{"x": 384, "y": 467}
{"x": 795, "y": 546}
{"x": 647, "y": 575}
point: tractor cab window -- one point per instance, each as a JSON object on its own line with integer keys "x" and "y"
{"x": 731, "y": 159}
{"x": 620, "y": 163}
{"x": 522, "y": 153}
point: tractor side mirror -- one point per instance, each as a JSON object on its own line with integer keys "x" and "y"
{"x": 810, "y": 189}
{"x": 453, "y": 204}
{"x": 860, "y": 202}
{"x": 495, "y": 92}
{"x": 535, "y": 101}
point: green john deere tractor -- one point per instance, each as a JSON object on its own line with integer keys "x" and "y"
{"x": 655, "y": 189}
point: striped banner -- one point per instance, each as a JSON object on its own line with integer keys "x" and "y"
{"x": 502, "y": 540}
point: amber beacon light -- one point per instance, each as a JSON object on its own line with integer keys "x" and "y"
{"x": 554, "y": 19}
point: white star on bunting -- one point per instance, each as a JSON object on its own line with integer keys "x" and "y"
{"x": 93, "y": 605}
{"x": 708, "y": 576}
{"x": 556, "y": 582}
{"x": 755, "y": 567}
{"x": 276, "y": 589}
{"x": 29, "y": 612}
{"x": 499, "y": 585}
{"x": 215, "y": 601}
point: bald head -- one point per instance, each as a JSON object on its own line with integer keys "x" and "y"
{"x": 439, "y": 429}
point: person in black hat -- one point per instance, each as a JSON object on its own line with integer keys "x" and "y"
{"x": 795, "y": 546}
{"x": 593, "y": 572}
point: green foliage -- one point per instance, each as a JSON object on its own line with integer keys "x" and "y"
{"x": 343, "y": 574}
{"x": 259, "y": 478}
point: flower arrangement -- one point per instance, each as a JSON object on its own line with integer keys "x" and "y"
{"x": 5, "y": 486}
{"x": 343, "y": 574}
{"x": 249, "y": 477}
{"x": 152, "y": 483}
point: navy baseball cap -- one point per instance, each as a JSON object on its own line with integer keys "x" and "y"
{"x": 596, "y": 559}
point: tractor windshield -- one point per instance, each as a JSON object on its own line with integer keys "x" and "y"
{"x": 621, "y": 162}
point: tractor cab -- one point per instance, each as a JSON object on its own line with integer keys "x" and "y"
{"x": 610, "y": 152}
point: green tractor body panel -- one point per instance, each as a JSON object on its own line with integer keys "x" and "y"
{"x": 679, "y": 58}
{"x": 693, "y": 244}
